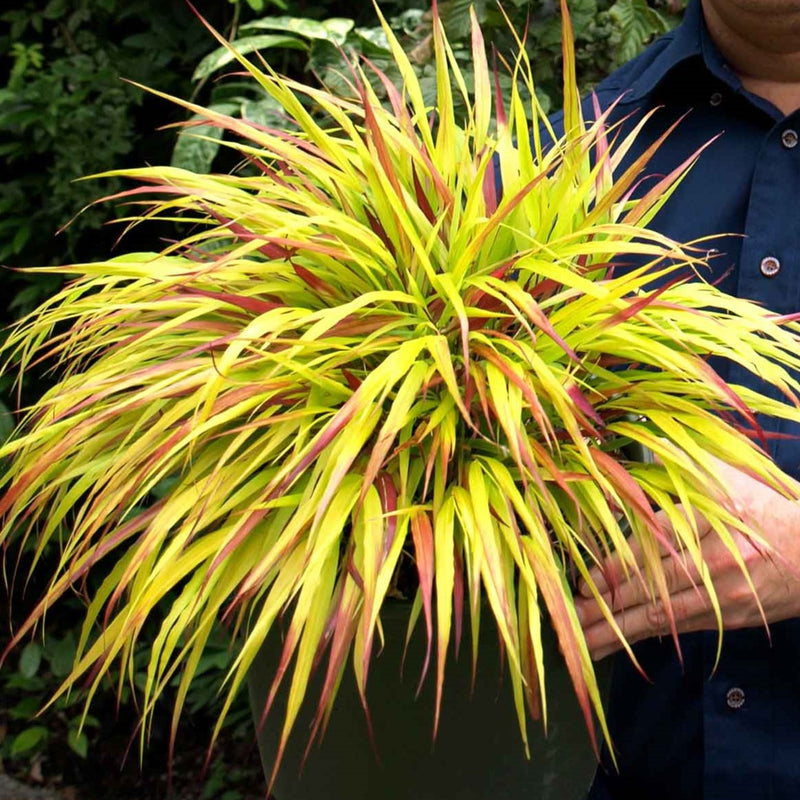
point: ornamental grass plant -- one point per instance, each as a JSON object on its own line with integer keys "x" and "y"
{"x": 365, "y": 361}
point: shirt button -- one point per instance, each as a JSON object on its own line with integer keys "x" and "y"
{"x": 715, "y": 99}
{"x": 770, "y": 266}
{"x": 789, "y": 138}
{"x": 735, "y": 697}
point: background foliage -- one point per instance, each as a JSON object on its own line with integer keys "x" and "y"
{"x": 66, "y": 113}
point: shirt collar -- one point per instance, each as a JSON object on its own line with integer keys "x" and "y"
{"x": 689, "y": 40}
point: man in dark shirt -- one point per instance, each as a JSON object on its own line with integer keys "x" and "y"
{"x": 692, "y": 732}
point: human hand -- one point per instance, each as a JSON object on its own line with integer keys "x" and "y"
{"x": 774, "y": 571}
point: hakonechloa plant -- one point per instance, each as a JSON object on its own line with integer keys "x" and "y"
{"x": 364, "y": 358}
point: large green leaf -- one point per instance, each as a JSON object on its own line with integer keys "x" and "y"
{"x": 221, "y": 57}
{"x": 198, "y": 144}
{"x": 333, "y": 29}
{"x": 638, "y": 22}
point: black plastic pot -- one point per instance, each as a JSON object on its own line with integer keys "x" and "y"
{"x": 478, "y": 754}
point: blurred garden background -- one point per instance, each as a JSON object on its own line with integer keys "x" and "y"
{"x": 69, "y": 108}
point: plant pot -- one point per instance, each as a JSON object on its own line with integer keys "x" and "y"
{"x": 478, "y": 753}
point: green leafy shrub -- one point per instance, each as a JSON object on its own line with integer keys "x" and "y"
{"x": 66, "y": 112}
{"x": 26, "y": 690}
{"x": 606, "y": 35}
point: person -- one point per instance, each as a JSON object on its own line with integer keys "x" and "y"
{"x": 691, "y": 730}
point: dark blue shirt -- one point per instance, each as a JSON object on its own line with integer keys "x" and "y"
{"x": 691, "y": 734}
